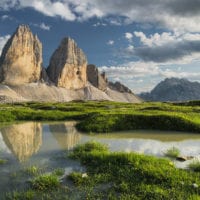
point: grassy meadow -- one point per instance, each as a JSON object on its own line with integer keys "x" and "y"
{"x": 124, "y": 176}
{"x": 110, "y": 116}
{"x": 108, "y": 175}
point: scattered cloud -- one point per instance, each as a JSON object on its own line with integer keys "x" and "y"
{"x": 3, "y": 40}
{"x": 110, "y": 42}
{"x": 129, "y": 49}
{"x": 116, "y": 22}
{"x": 143, "y": 76}
{"x": 174, "y": 14}
{"x": 46, "y": 7}
{"x": 42, "y": 26}
{"x": 129, "y": 36}
{"x": 166, "y": 47}
{"x": 99, "y": 24}
{"x": 131, "y": 70}
{"x": 170, "y": 52}
{"x": 157, "y": 39}
{"x": 5, "y": 17}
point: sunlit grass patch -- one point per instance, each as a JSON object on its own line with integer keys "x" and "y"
{"x": 58, "y": 172}
{"x": 128, "y": 175}
{"x": 32, "y": 170}
{"x": 172, "y": 152}
{"x": 45, "y": 182}
{"x": 195, "y": 165}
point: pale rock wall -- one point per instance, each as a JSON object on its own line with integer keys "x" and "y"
{"x": 21, "y": 58}
{"x": 67, "y": 67}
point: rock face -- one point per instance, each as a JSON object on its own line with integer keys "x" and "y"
{"x": 67, "y": 78}
{"x": 44, "y": 77}
{"x": 21, "y": 58}
{"x": 95, "y": 78}
{"x": 174, "y": 89}
{"x": 68, "y": 66}
{"x": 119, "y": 87}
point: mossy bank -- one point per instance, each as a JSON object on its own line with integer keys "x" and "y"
{"x": 127, "y": 176}
{"x": 109, "y": 116}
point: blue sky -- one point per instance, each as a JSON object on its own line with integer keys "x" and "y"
{"x": 136, "y": 42}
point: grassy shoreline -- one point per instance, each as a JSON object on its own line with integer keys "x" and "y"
{"x": 113, "y": 176}
{"x": 109, "y": 116}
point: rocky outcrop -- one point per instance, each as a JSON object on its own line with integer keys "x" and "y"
{"x": 44, "y": 76}
{"x": 67, "y": 78}
{"x": 174, "y": 89}
{"x": 117, "y": 86}
{"x": 67, "y": 66}
{"x": 96, "y": 78}
{"x": 21, "y": 58}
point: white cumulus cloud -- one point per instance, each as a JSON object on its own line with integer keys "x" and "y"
{"x": 166, "y": 47}
{"x": 42, "y": 26}
{"x": 143, "y": 76}
{"x": 129, "y": 36}
{"x": 174, "y": 15}
{"x": 110, "y": 42}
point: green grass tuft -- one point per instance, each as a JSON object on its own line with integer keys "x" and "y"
{"x": 172, "y": 153}
{"x": 45, "y": 183}
{"x": 83, "y": 149}
{"x": 58, "y": 172}
{"x": 195, "y": 166}
{"x": 32, "y": 170}
{"x": 133, "y": 176}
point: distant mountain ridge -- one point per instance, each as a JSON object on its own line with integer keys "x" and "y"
{"x": 173, "y": 89}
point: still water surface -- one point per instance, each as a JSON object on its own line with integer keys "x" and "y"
{"x": 46, "y": 145}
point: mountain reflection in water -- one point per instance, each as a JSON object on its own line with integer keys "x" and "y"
{"x": 36, "y": 142}
{"x": 65, "y": 134}
{"x": 23, "y": 140}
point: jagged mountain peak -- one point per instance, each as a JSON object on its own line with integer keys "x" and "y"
{"x": 67, "y": 66}
{"x": 21, "y": 59}
{"x": 22, "y": 77}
